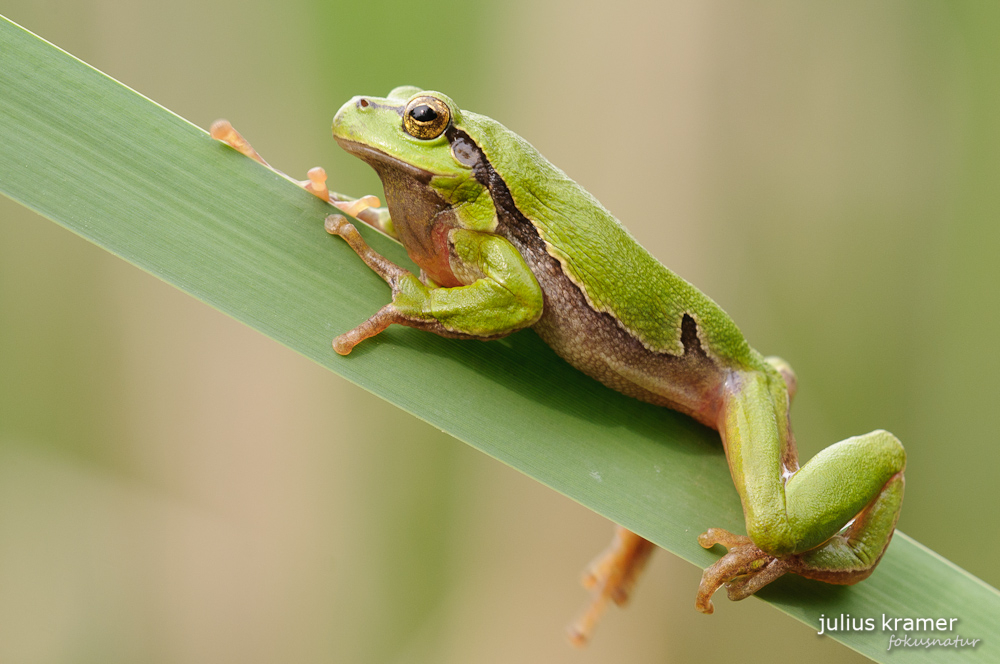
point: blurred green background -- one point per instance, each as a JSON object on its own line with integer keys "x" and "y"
{"x": 174, "y": 487}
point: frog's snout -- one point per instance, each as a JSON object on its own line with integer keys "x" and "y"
{"x": 341, "y": 119}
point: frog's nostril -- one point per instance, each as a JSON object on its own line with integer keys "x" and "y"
{"x": 363, "y": 103}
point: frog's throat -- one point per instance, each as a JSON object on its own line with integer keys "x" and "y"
{"x": 378, "y": 159}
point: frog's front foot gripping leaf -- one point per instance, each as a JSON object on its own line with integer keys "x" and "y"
{"x": 365, "y": 208}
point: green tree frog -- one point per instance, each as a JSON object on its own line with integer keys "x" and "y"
{"x": 505, "y": 240}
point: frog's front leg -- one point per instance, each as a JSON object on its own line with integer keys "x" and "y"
{"x": 503, "y": 295}
{"x": 831, "y": 520}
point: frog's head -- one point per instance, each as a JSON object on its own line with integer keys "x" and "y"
{"x": 428, "y": 163}
{"x": 411, "y": 130}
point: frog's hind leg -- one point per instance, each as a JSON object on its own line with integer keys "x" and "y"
{"x": 611, "y": 577}
{"x": 852, "y": 554}
{"x": 846, "y": 558}
{"x": 816, "y": 498}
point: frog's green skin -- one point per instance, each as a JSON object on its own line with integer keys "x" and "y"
{"x": 506, "y": 240}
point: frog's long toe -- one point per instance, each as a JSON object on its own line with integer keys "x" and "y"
{"x": 744, "y": 570}
{"x": 222, "y": 130}
{"x": 316, "y": 184}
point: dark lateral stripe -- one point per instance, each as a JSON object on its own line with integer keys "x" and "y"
{"x": 514, "y": 225}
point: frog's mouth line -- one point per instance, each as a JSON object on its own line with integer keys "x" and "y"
{"x": 378, "y": 159}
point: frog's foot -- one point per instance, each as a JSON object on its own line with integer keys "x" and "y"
{"x": 367, "y": 208}
{"x": 744, "y": 570}
{"x": 611, "y": 577}
{"x": 222, "y": 130}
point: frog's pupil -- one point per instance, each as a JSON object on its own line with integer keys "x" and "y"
{"x": 424, "y": 113}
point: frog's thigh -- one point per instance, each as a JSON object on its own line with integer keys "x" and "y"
{"x": 852, "y": 555}
{"x": 838, "y": 483}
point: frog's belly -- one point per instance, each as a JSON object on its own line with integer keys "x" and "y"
{"x": 598, "y": 345}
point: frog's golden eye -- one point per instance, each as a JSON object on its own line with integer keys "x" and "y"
{"x": 426, "y": 117}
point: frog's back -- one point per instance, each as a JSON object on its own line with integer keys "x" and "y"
{"x": 614, "y": 273}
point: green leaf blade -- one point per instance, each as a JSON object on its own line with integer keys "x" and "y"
{"x": 103, "y": 161}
